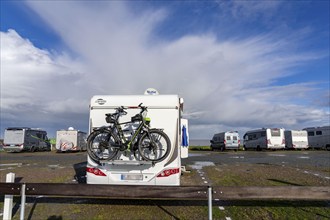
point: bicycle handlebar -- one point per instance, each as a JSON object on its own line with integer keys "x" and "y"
{"x": 121, "y": 110}
{"x": 143, "y": 108}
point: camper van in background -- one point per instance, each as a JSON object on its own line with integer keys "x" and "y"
{"x": 165, "y": 112}
{"x": 265, "y": 138}
{"x": 71, "y": 140}
{"x": 296, "y": 139}
{"x": 17, "y": 139}
{"x": 319, "y": 137}
{"x": 229, "y": 140}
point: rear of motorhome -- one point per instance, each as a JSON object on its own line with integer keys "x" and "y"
{"x": 71, "y": 140}
{"x": 229, "y": 140}
{"x": 296, "y": 139}
{"x": 17, "y": 139}
{"x": 319, "y": 137}
{"x": 265, "y": 138}
{"x": 165, "y": 112}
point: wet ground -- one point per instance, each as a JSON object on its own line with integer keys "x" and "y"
{"x": 242, "y": 168}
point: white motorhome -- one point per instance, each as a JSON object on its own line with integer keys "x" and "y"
{"x": 296, "y": 139}
{"x": 265, "y": 138}
{"x": 226, "y": 140}
{"x": 71, "y": 140}
{"x": 165, "y": 113}
{"x": 18, "y": 139}
{"x": 319, "y": 137}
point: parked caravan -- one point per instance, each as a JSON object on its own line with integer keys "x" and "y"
{"x": 71, "y": 140}
{"x": 164, "y": 112}
{"x": 229, "y": 140}
{"x": 265, "y": 138}
{"x": 18, "y": 139}
{"x": 296, "y": 139}
{"x": 319, "y": 137}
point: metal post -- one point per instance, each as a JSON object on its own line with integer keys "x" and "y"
{"x": 8, "y": 205}
{"x": 210, "y": 201}
{"x": 22, "y": 201}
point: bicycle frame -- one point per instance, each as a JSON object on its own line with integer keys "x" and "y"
{"x": 120, "y": 133}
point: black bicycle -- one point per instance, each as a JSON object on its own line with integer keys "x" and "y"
{"x": 145, "y": 143}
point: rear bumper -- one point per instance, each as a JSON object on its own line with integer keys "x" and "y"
{"x": 12, "y": 148}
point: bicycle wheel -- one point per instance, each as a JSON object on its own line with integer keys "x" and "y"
{"x": 154, "y": 145}
{"x": 100, "y": 146}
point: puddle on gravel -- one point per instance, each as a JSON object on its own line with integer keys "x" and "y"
{"x": 198, "y": 165}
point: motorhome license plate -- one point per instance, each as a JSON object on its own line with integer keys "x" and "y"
{"x": 131, "y": 176}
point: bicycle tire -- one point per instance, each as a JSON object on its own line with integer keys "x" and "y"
{"x": 99, "y": 146}
{"x": 157, "y": 151}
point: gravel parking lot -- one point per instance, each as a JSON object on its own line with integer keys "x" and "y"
{"x": 242, "y": 168}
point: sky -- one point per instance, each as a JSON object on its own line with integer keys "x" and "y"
{"x": 239, "y": 65}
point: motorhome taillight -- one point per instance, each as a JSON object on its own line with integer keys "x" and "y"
{"x": 283, "y": 141}
{"x": 95, "y": 171}
{"x": 224, "y": 142}
{"x": 168, "y": 172}
{"x": 268, "y": 141}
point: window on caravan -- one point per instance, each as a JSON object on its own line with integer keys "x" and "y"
{"x": 311, "y": 133}
{"x": 38, "y": 135}
{"x": 275, "y": 132}
{"x": 318, "y": 132}
{"x": 252, "y": 137}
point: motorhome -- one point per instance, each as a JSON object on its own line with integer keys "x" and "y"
{"x": 229, "y": 140}
{"x": 296, "y": 139}
{"x": 71, "y": 140}
{"x": 319, "y": 137}
{"x": 165, "y": 112}
{"x": 265, "y": 138}
{"x": 18, "y": 139}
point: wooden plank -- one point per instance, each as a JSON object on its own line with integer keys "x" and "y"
{"x": 10, "y": 188}
{"x": 272, "y": 192}
{"x": 117, "y": 191}
{"x": 174, "y": 192}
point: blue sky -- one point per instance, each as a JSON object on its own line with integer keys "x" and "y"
{"x": 239, "y": 65}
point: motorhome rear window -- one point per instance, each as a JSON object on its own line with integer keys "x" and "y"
{"x": 275, "y": 132}
{"x": 228, "y": 138}
{"x": 235, "y": 138}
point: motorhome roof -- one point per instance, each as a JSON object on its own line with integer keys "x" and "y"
{"x": 135, "y": 100}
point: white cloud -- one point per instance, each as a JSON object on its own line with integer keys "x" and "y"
{"x": 226, "y": 84}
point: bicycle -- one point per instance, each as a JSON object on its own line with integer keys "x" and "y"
{"x": 105, "y": 142}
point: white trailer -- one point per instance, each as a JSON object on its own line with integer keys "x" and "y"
{"x": 265, "y": 138}
{"x": 71, "y": 140}
{"x": 165, "y": 112}
{"x": 229, "y": 140}
{"x": 296, "y": 139}
{"x": 319, "y": 137}
{"x": 18, "y": 139}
